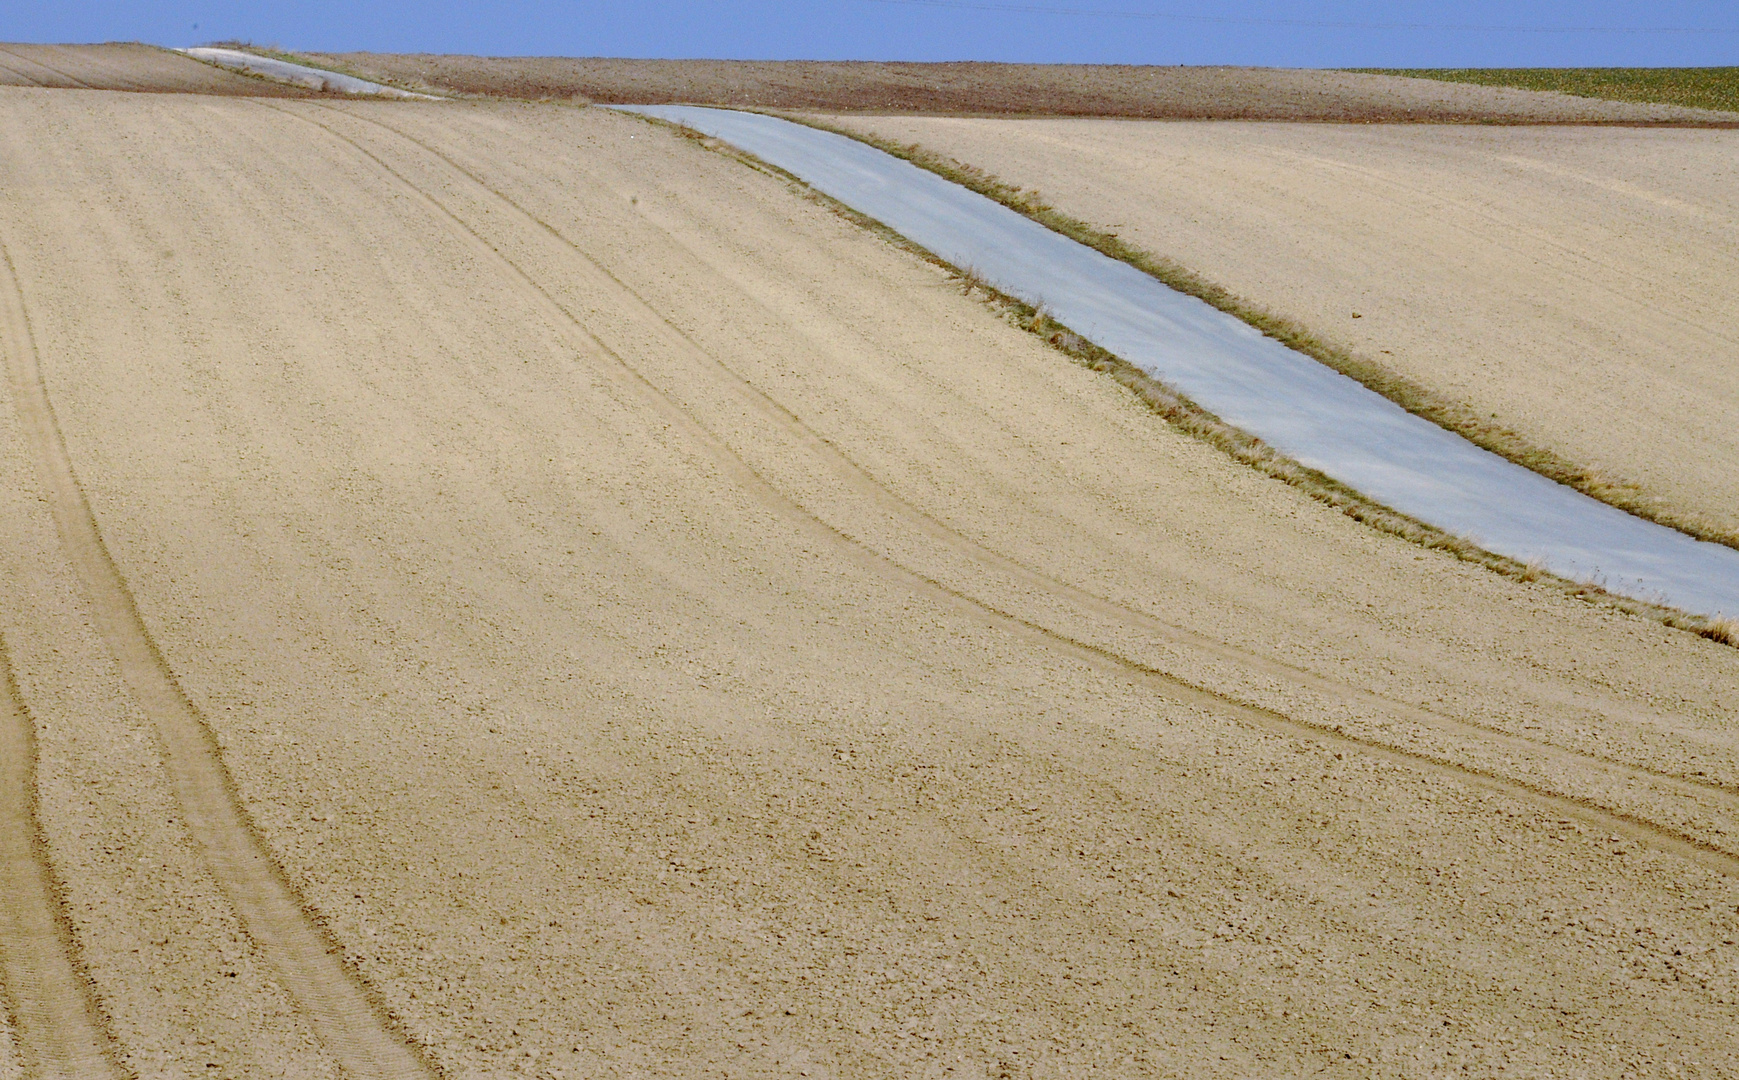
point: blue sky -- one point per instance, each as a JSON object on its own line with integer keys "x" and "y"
{"x": 1326, "y": 33}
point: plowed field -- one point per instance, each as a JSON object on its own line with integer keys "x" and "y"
{"x": 500, "y": 589}
{"x": 988, "y": 89}
{"x": 126, "y": 66}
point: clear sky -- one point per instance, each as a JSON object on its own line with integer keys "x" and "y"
{"x": 1303, "y": 33}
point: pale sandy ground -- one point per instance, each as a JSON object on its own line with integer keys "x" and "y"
{"x": 661, "y": 629}
{"x": 1574, "y": 284}
{"x": 10, "y": 1066}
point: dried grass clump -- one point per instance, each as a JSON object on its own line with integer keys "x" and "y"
{"x": 1726, "y": 631}
{"x": 971, "y": 280}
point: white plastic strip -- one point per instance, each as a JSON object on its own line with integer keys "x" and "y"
{"x": 1303, "y": 408}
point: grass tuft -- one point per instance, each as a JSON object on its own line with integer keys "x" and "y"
{"x": 1726, "y": 631}
{"x": 971, "y": 280}
{"x": 243, "y": 45}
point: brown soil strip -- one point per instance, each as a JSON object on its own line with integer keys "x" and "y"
{"x": 959, "y": 89}
{"x": 58, "y": 1025}
{"x": 986, "y": 89}
{"x": 305, "y": 959}
{"x": 1080, "y": 622}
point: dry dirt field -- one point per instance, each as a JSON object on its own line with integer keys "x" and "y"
{"x": 1195, "y": 93}
{"x": 125, "y": 66}
{"x": 645, "y": 625}
{"x": 1573, "y": 284}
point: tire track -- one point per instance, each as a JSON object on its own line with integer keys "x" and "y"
{"x": 1165, "y": 683}
{"x": 1024, "y": 578}
{"x": 306, "y": 961}
{"x": 27, "y": 81}
{"x": 77, "y": 82}
{"x": 865, "y": 484}
{"x": 1129, "y": 619}
{"x": 60, "y": 1030}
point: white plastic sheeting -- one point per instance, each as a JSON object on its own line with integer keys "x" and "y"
{"x": 313, "y": 78}
{"x": 1308, "y": 411}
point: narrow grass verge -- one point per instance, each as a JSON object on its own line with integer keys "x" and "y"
{"x": 1185, "y": 415}
{"x": 1697, "y": 88}
{"x": 1419, "y": 400}
{"x": 1182, "y": 413}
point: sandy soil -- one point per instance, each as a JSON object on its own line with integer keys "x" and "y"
{"x": 125, "y": 66}
{"x": 1000, "y": 89}
{"x": 1572, "y": 284}
{"x": 661, "y": 629}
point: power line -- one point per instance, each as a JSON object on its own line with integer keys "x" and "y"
{"x": 1034, "y": 9}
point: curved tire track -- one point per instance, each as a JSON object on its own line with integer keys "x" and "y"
{"x": 1132, "y": 620}
{"x": 1129, "y": 619}
{"x": 1166, "y": 683}
{"x": 77, "y": 82}
{"x": 306, "y": 961}
{"x": 59, "y": 1027}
